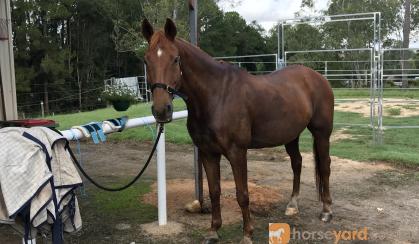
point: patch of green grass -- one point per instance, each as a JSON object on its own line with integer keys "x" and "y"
{"x": 400, "y": 145}
{"x": 176, "y": 131}
{"x": 404, "y": 121}
{"x": 137, "y": 110}
{"x": 231, "y": 233}
{"x": 410, "y": 107}
{"x": 126, "y": 204}
{"x": 365, "y": 93}
{"x": 394, "y": 111}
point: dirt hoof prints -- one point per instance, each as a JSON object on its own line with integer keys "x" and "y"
{"x": 181, "y": 192}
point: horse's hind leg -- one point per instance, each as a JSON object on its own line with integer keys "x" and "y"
{"x": 321, "y": 146}
{"x": 296, "y": 161}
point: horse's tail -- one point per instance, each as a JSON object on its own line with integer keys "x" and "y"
{"x": 318, "y": 178}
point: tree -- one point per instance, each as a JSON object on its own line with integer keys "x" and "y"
{"x": 406, "y": 39}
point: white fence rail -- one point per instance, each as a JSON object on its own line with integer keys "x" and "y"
{"x": 75, "y": 134}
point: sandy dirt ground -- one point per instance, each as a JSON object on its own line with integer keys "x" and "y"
{"x": 408, "y": 107}
{"x": 381, "y": 197}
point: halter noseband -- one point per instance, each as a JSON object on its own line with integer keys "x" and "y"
{"x": 170, "y": 90}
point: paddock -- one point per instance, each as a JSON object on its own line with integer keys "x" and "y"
{"x": 370, "y": 192}
{"x": 387, "y": 192}
{"x": 375, "y": 171}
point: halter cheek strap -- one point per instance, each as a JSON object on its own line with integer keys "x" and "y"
{"x": 169, "y": 90}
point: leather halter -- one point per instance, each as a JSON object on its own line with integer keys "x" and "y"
{"x": 170, "y": 90}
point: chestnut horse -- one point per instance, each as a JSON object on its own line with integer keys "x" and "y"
{"x": 231, "y": 111}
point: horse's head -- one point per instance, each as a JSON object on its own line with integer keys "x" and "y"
{"x": 163, "y": 68}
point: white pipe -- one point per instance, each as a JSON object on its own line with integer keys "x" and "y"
{"x": 161, "y": 180}
{"x": 75, "y": 134}
{"x": 31, "y": 241}
{"x": 247, "y": 56}
{"x": 330, "y": 50}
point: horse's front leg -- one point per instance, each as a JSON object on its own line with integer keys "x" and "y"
{"x": 238, "y": 161}
{"x": 211, "y": 163}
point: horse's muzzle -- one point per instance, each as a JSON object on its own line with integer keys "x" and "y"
{"x": 164, "y": 114}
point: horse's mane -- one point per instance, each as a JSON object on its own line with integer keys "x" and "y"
{"x": 159, "y": 37}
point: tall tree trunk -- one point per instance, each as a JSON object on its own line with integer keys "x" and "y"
{"x": 406, "y": 40}
{"x": 79, "y": 85}
{"x": 46, "y": 102}
{"x": 69, "y": 46}
{"x": 78, "y": 82}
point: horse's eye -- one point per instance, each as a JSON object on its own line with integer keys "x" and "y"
{"x": 177, "y": 59}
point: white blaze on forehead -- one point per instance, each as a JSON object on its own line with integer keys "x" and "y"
{"x": 159, "y": 52}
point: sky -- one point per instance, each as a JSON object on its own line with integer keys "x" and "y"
{"x": 268, "y": 12}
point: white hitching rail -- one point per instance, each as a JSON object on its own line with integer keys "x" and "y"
{"x": 75, "y": 134}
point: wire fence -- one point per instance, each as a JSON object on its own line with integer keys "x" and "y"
{"x": 351, "y": 69}
{"x": 254, "y": 64}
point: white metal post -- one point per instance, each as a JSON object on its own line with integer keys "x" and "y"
{"x": 147, "y": 94}
{"x": 161, "y": 179}
{"x": 31, "y": 241}
{"x": 325, "y": 69}
{"x": 42, "y": 109}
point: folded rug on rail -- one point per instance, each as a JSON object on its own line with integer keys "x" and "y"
{"x": 38, "y": 181}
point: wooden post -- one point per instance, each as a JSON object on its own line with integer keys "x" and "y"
{"x": 193, "y": 24}
{"x": 193, "y": 21}
{"x": 8, "y": 104}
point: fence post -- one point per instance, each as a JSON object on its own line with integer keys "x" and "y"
{"x": 147, "y": 94}
{"x": 193, "y": 24}
{"x": 42, "y": 109}
{"x": 161, "y": 179}
{"x": 325, "y": 69}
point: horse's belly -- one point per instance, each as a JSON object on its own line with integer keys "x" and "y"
{"x": 276, "y": 133}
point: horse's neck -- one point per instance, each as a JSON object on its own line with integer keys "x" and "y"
{"x": 202, "y": 76}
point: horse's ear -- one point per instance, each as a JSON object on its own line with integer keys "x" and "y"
{"x": 170, "y": 29}
{"x": 147, "y": 30}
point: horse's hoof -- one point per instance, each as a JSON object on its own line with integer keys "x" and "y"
{"x": 246, "y": 240}
{"x": 211, "y": 238}
{"x": 193, "y": 207}
{"x": 291, "y": 211}
{"x": 326, "y": 217}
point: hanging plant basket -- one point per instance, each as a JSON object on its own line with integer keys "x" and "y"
{"x": 120, "y": 96}
{"x": 121, "y": 105}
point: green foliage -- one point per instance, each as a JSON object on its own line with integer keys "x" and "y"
{"x": 360, "y": 30}
{"x": 394, "y": 111}
{"x": 63, "y": 52}
{"x": 64, "y": 49}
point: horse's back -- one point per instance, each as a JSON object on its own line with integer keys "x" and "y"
{"x": 310, "y": 84}
{"x": 287, "y": 101}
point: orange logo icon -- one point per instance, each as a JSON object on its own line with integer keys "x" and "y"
{"x": 279, "y": 233}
